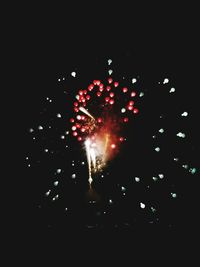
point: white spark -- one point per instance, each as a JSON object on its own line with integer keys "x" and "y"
{"x": 110, "y": 72}
{"x": 46, "y": 150}
{"x": 59, "y": 79}
{"x": 82, "y": 163}
{"x": 63, "y": 78}
{"x": 176, "y": 159}
{"x": 173, "y": 195}
{"x": 141, "y": 94}
{"x": 58, "y": 170}
{"x": 142, "y": 205}
{"x": 110, "y": 201}
{"x": 123, "y": 110}
{"x": 47, "y": 193}
{"x": 40, "y": 127}
{"x": 134, "y": 80}
{"x": 67, "y": 132}
{"x": 161, "y": 130}
{"x": 137, "y": 179}
{"x": 31, "y": 130}
{"x": 73, "y": 74}
{"x": 123, "y": 189}
{"x": 55, "y": 183}
{"x": 157, "y": 149}
{"x": 62, "y": 137}
{"x": 182, "y": 135}
{"x": 109, "y": 61}
{"x": 172, "y": 90}
{"x": 27, "y": 158}
{"x": 161, "y": 176}
{"x": 154, "y": 178}
{"x": 185, "y": 166}
{"x": 166, "y": 80}
{"x": 58, "y": 115}
{"x": 184, "y": 114}
{"x": 73, "y": 175}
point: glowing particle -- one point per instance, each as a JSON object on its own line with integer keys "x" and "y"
{"x": 176, "y": 159}
{"x": 47, "y": 193}
{"x": 78, "y": 117}
{"x": 133, "y": 94}
{"x": 73, "y": 74}
{"x": 173, "y": 195}
{"x": 111, "y": 101}
{"x": 58, "y": 170}
{"x": 135, "y": 110}
{"x": 112, "y": 94}
{"x": 99, "y": 120}
{"x": 185, "y": 166}
{"x": 166, "y": 80}
{"x": 154, "y": 178}
{"x": 82, "y": 163}
{"x": 110, "y": 80}
{"x": 59, "y": 79}
{"x": 172, "y": 90}
{"x": 134, "y": 80}
{"x": 31, "y": 130}
{"x": 113, "y": 146}
{"x": 123, "y": 189}
{"x": 184, "y": 114}
{"x": 126, "y": 119}
{"x": 46, "y": 150}
{"x": 161, "y": 130}
{"x": 62, "y": 137}
{"x": 192, "y": 170}
{"x": 110, "y": 72}
{"x": 29, "y": 165}
{"x": 73, "y": 175}
{"x": 157, "y": 149}
{"x": 141, "y": 94}
{"x": 125, "y": 90}
{"x": 130, "y": 107}
{"x": 153, "y": 209}
{"x": 110, "y": 201}
{"x": 116, "y": 84}
{"x": 55, "y": 183}
{"x": 40, "y": 127}
{"x": 123, "y": 110}
{"x": 142, "y": 205}
{"x": 98, "y": 94}
{"x": 182, "y": 135}
{"x": 161, "y": 176}
{"x": 67, "y": 132}
{"x": 154, "y": 136}
{"x": 137, "y": 179}
{"x": 109, "y": 61}
{"x": 121, "y": 139}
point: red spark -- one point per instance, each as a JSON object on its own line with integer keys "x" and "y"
{"x": 116, "y": 84}
{"x": 125, "y": 89}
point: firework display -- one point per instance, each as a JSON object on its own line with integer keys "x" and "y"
{"x": 110, "y": 142}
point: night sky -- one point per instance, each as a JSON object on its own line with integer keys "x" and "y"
{"x": 151, "y": 183}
